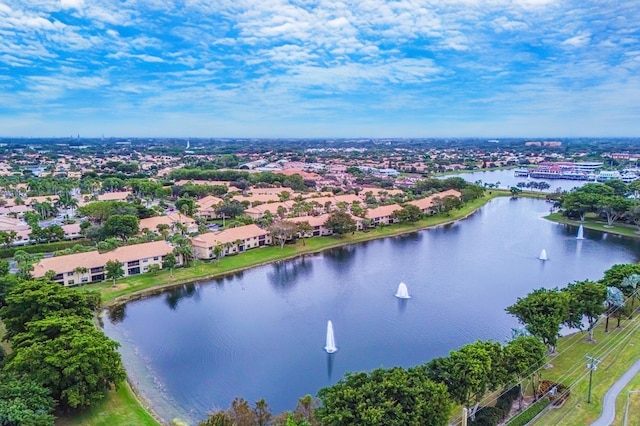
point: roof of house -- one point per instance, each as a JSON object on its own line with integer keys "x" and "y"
{"x": 94, "y": 259}
{"x": 382, "y": 211}
{"x": 114, "y": 196}
{"x": 425, "y": 203}
{"x": 312, "y": 220}
{"x": 152, "y": 223}
{"x": 270, "y": 207}
{"x": 208, "y": 202}
{"x": 228, "y": 235}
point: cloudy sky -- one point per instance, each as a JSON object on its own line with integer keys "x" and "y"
{"x": 320, "y": 68}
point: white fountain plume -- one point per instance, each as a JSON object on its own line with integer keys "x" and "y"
{"x": 543, "y": 255}
{"x": 580, "y": 233}
{"x": 331, "y": 341}
{"x": 403, "y": 292}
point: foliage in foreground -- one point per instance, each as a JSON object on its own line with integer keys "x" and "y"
{"x": 57, "y": 347}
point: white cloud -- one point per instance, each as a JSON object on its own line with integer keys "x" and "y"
{"x": 72, "y": 4}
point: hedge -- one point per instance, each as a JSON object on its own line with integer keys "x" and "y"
{"x": 44, "y": 248}
{"x": 527, "y": 415}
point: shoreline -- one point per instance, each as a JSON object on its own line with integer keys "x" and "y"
{"x": 620, "y": 230}
{"x": 301, "y": 251}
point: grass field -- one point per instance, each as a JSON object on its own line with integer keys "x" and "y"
{"x": 120, "y": 408}
{"x": 617, "y": 350}
{"x": 592, "y": 223}
{"x": 143, "y": 284}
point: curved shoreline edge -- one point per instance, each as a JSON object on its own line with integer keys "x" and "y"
{"x": 402, "y": 229}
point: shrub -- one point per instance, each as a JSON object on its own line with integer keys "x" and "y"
{"x": 527, "y": 415}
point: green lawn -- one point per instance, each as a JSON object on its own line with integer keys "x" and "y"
{"x": 618, "y": 350}
{"x": 138, "y": 285}
{"x": 592, "y": 222}
{"x": 120, "y": 408}
{"x": 634, "y": 402}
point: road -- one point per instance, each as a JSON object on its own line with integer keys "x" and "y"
{"x": 609, "y": 404}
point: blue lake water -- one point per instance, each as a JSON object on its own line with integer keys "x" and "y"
{"x": 260, "y": 333}
{"x": 507, "y": 178}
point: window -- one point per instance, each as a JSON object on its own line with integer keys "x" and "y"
{"x": 69, "y": 274}
{"x": 155, "y": 257}
{"x": 71, "y": 282}
{"x": 145, "y": 260}
{"x": 84, "y": 279}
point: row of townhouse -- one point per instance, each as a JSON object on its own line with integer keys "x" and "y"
{"x": 89, "y": 267}
{"x": 230, "y": 241}
{"x": 22, "y": 230}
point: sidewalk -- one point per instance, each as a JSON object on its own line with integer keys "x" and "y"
{"x": 609, "y": 404}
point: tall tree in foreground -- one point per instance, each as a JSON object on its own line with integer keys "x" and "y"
{"x": 542, "y": 312}
{"x": 470, "y": 372}
{"x": 523, "y": 356}
{"x": 586, "y": 300}
{"x": 69, "y": 356}
{"x": 24, "y": 402}
{"x": 394, "y": 397}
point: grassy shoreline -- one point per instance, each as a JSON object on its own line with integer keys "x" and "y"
{"x": 597, "y": 225}
{"x": 124, "y": 406}
{"x": 138, "y": 286}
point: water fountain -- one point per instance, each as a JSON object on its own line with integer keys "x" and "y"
{"x": 403, "y": 292}
{"x": 580, "y": 233}
{"x": 543, "y": 255}
{"x": 331, "y": 341}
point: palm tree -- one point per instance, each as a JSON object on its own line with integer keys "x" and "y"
{"x": 631, "y": 281}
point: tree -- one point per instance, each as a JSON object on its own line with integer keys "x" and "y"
{"x": 579, "y": 203}
{"x": 230, "y": 209}
{"x": 522, "y": 357}
{"x": 542, "y": 312}
{"x": 282, "y": 231}
{"x": 613, "y": 208}
{"x": 392, "y": 397}
{"x": 183, "y": 248}
{"x": 7, "y": 237}
{"x": 408, "y": 213}
{"x": 631, "y": 282}
{"x": 470, "y": 372}
{"x": 68, "y": 355}
{"x": 340, "y": 223}
{"x": 614, "y": 276}
{"x": 24, "y": 402}
{"x": 121, "y": 226}
{"x": 114, "y": 270}
{"x": 304, "y": 229}
{"x": 261, "y": 412}
{"x": 169, "y": 262}
{"x": 515, "y": 190}
{"x": 586, "y": 300}
{"x": 613, "y": 304}
{"x": 186, "y": 206}
{"x": 33, "y": 300}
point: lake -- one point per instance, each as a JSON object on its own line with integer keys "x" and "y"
{"x": 260, "y": 333}
{"x": 507, "y": 179}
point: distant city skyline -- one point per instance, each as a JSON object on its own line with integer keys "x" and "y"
{"x": 317, "y": 68}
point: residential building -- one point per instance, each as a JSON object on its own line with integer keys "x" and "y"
{"x": 206, "y": 207}
{"x": 426, "y": 204}
{"x": 231, "y": 241}
{"x": 171, "y": 220}
{"x": 89, "y": 267}
{"x": 383, "y": 215}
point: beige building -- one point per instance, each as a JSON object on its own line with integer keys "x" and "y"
{"x": 207, "y": 207}
{"x": 171, "y": 220}
{"x": 426, "y": 204}
{"x": 231, "y": 241}
{"x": 89, "y": 267}
{"x": 383, "y": 215}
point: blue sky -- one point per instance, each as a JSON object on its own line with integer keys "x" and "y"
{"x": 320, "y": 68}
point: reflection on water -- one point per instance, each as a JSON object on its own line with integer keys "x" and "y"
{"x": 175, "y": 295}
{"x": 285, "y": 275}
{"x": 330, "y": 365}
{"x": 260, "y": 333}
{"x": 117, "y": 313}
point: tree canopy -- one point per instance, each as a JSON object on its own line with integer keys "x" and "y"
{"x": 393, "y": 397}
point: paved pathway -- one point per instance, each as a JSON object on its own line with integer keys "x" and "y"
{"x": 609, "y": 405}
